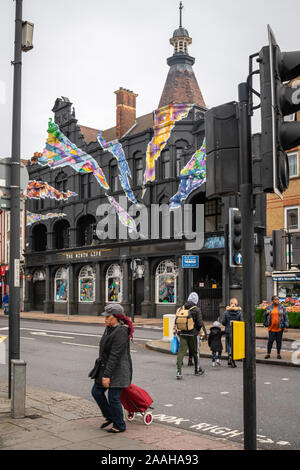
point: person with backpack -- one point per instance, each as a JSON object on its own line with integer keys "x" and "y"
{"x": 215, "y": 343}
{"x": 233, "y": 313}
{"x": 188, "y": 323}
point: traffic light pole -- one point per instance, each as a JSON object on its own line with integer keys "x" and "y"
{"x": 14, "y": 261}
{"x": 246, "y": 206}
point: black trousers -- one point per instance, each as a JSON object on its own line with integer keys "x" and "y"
{"x": 275, "y": 336}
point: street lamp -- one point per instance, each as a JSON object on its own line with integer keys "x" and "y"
{"x": 23, "y": 42}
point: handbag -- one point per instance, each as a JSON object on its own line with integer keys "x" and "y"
{"x": 174, "y": 344}
{"x": 96, "y": 369}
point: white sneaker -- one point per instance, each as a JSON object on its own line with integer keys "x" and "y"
{"x": 218, "y": 362}
{"x": 214, "y": 364}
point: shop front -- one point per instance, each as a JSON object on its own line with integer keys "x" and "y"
{"x": 287, "y": 284}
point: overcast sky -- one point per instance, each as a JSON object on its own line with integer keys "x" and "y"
{"x": 87, "y": 49}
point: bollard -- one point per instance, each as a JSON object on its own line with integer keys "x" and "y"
{"x": 18, "y": 380}
{"x": 168, "y": 325}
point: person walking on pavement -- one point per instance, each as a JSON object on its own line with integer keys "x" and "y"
{"x": 215, "y": 343}
{"x": 189, "y": 334}
{"x": 115, "y": 371}
{"x": 233, "y": 313}
{"x": 277, "y": 322}
{"x": 5, "y": 302}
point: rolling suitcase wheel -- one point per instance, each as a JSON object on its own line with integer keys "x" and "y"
{"x": 129, "y": 416}
{"x": 148, "y": 418}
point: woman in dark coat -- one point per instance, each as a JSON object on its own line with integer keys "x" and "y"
{"x": 115, "y": 372}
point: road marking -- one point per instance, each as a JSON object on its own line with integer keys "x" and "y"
{"x": 62, "y": 332}
{"x": 77, "y": 344}
{"x": 283, "y": 443}
{"x": 285, "y": 379}
{"x": 41, "y": 333}
{"x": 267, "y": 383}
{"x": 224, "y": 393}
{"x": 5, "y": 328}
{"x": 169, "y": 405}
{"x": 24, "y": 337}
{"x": 198, "y": 398}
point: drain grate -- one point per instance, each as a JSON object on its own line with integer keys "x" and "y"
{"x": 33, "y": 416}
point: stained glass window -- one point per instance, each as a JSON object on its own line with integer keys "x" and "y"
{"x": 87, "y": 279}
{"x": 166, "y": 276}
{"x": 61, "y": 284}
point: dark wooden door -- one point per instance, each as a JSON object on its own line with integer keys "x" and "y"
{"x": 39, "y": 294}
{"x": 138, "y": 295}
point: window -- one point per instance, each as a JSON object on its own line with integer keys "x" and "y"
{"x": 165, "y": 282}
{"x": 213, "y": 215}
{"x": 87, "y": 279}
{"x": 114, "y": 178}
{"x": 293, "y": 163}
{"x": 83, "y": 186}
{"x": 178, "y": 160}
{"x": 61, "y": 284}
{"x": 292, "y": 218}
{"x": 165, "y": 158}
{"x": 61, "y": 181}
{"x": 138, "y": 171}
{"x": 114, "y": 283}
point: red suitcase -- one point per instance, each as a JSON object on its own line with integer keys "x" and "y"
{"x": 136, "y": 400}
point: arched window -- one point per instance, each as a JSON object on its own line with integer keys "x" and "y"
{"x": 61, "y": 234}
{"x": 165, "y": 282}
{"x": 39, "y": 238}
{"x": 61, "y": 285}
{"x": 114, "y": 283}
{"x": 61, "y": 181}
{"x": 165, "y": 164}
{"x": 86, "y": 227}
{"x": 87, "y": 279}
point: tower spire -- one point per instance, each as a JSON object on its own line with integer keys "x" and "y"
{"x": 180, "y": 14}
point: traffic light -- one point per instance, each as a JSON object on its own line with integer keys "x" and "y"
{"x": 278, "y": 100}
{"x": 235, "y": 237}
{"x": 222, "y": 150}
{"x": 278, "y": 257}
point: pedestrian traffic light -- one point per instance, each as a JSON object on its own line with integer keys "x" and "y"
{"x": 235, "y": 237}
{"x": 222, "y": 150}
{"x": 278, "y": 100}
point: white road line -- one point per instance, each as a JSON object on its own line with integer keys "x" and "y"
{"x": 62, "y": 332}
{"x": 224, "y": 393}
{"x": 24, "y": 337}
{"x": 283, "y": 443}
{"x": 267, "y": 383}
{"x": 285, "y": 379}
{"x": 77, "y": 344}
{"x": 5, "y": 328}
{"x": 41, "y": 333}
{"x": 198, "y": 398}
{"x": 169, "y": 405}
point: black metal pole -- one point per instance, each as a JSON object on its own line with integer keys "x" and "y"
{"x": 246, "y": 193}
{"x": 132, "y": 295}
{"x": 14, "y": 259}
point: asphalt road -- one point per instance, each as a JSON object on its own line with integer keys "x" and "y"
{"x": 59, "y": 357}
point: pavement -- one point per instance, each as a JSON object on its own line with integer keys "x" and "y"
{"x": 59, "y": 421}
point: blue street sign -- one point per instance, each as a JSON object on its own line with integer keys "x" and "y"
{"x": 238, "y": 258}
{"x": 190, "y": 261}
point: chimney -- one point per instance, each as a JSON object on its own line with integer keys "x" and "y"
{"x": 126, "y": 110}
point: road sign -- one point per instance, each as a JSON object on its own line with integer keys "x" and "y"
{"x": 190, "y": 261}
{"x": 238, "y": 258}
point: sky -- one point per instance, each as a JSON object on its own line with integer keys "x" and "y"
{"x": 87, "y": 49}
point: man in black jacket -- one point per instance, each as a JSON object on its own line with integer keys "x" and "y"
{"x": 191, "y": 338}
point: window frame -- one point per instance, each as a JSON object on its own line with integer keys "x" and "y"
{"x": 58, "y": 277}
{"x": 114, "y": 271}
{"x": 92, "y": 276}
{"x": 286, "y": 209}
{"x": 160, "y": 271}
{"x": 297, "y": 163}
